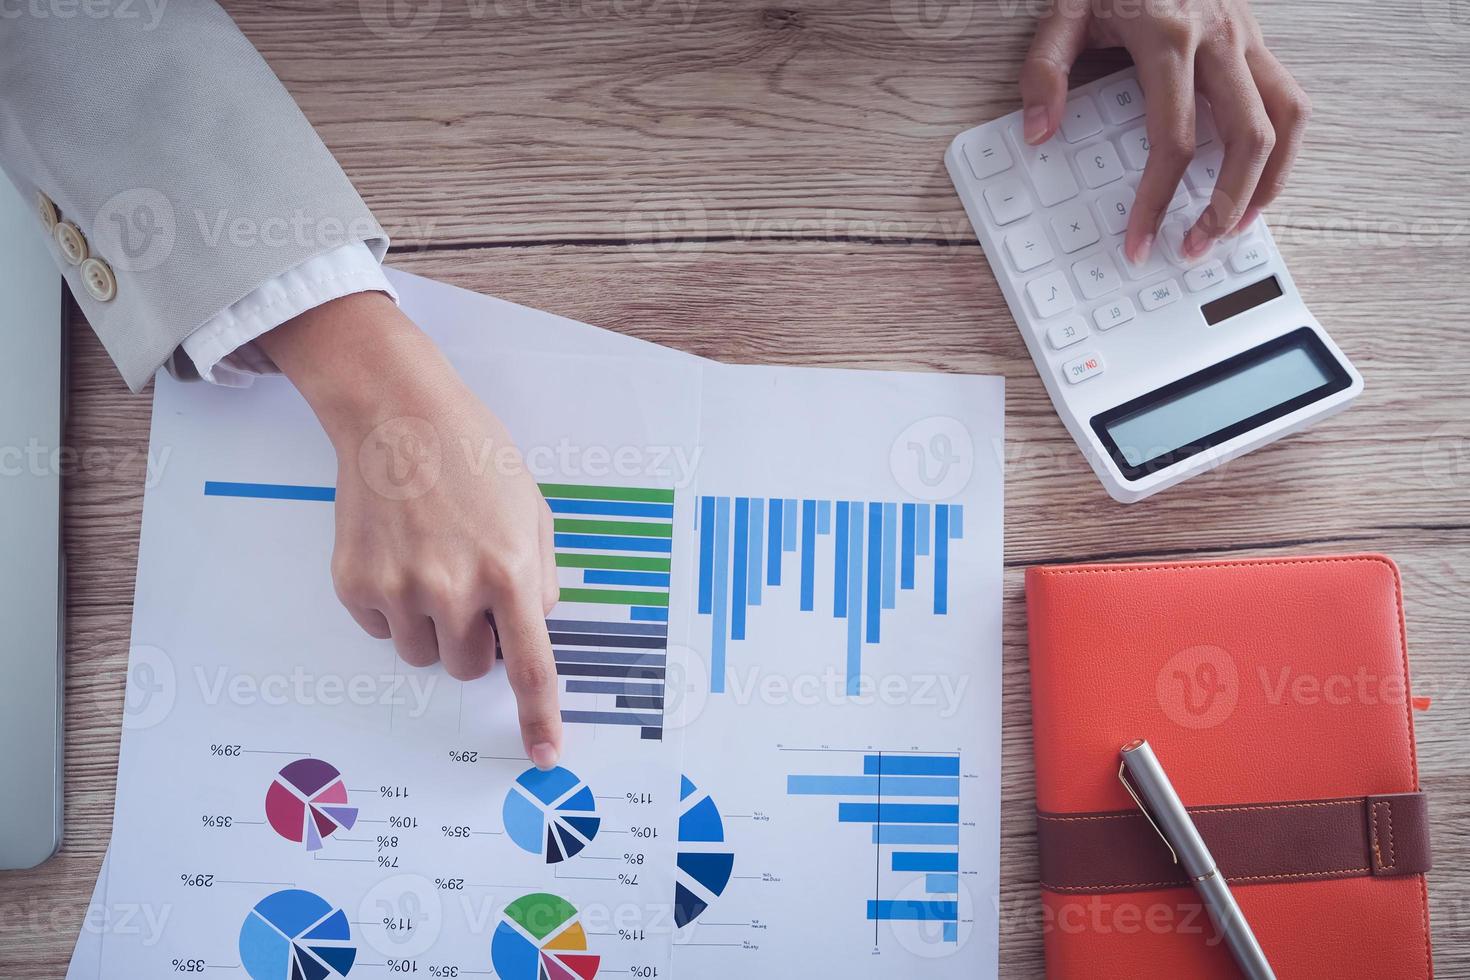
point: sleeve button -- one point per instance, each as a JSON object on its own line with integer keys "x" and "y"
{"x": 70, "y": 240}
{"x": 47, "y": 209}
{"x": 98, "y": 279}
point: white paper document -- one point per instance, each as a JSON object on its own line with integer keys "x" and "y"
{"x": 779, "y": 664}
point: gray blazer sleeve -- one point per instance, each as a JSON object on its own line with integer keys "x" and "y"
{"x": 185, "y": 165}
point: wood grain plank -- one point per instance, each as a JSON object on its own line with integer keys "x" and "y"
{"x": 538, "y": 120}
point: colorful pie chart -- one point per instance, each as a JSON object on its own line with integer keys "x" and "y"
{"x": 307, "y": 803}
{"x": 539, "y": 938}
{"x": 552, "y": 814}
{"x": 295, "y": 935}
{"x": 705, "y": 861}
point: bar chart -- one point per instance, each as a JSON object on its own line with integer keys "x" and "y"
{"x": 610, "y": 633}
{"x": 876, "y": 549}
{"x": 909, "y": 804}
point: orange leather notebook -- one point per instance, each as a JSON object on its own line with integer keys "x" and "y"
{"x": 1276, "y": 694}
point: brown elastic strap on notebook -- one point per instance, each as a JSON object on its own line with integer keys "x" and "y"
{"x": 1305, "y": 840}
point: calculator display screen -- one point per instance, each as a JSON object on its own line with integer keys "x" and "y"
{"x": 1219, "y": 403}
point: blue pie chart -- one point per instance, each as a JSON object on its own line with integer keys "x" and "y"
{"x": 296, "y": 935}
{"x": 552, "y": 814}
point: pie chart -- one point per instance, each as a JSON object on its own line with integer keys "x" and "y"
{"x": 705, "y": 860}
{"x": 295, "y": 935}
{"x": 307, "y": 803}
{"x": 539, "y": 938}
{"x": 552, "y": 814}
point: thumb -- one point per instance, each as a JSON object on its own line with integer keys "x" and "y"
{"x": 531, "y": 669}
{"x": 1060, "y": 37}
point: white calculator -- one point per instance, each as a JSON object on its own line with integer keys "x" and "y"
{"x": 1162, "y": 371}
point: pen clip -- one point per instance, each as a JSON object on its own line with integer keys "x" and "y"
{"x": 1123, "y": 778}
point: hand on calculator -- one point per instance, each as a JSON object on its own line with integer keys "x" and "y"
{"x": 1259, "y": 109}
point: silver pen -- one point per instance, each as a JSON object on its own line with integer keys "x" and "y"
{"x": 1149, "y": 785}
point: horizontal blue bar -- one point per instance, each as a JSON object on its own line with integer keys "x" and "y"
{"x": 608, "y": 542}
{"x": 942, "y": 884}
{"x": 896, "y": 911}
{"x": 600, "y": 576}
{"x": 928, "y": 834}
{"x": 612, "y": 508}
{"x": 269, "y": 491}
{"x": 911, "y": 765}
{"x": 873, "y": 786}
{"x": 926, "y": 861}
{"x": 649, "y": 614}
{"x": 898, "y": 813}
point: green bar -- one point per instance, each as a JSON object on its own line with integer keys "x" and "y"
{"x": 634, "y": 563}
{"x": 572, "y": 491}
{"x": 630, "y": 528}
{"x": 624, "y": 597}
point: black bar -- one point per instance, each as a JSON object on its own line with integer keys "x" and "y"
{"x": 634, "y": 701}
{"x": 608, "y": 640}
{"x": 653, "y": 734}
{"x": 656, "y": 658}
{"x": 610, "y": 670}
{"x": 589, "y": 626}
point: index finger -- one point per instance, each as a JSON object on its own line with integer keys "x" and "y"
{"x": 531, "y": 668}
{"x": 1168, "y": 90}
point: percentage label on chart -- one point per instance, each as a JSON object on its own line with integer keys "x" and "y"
{"x": 187, "y": 965}
{"x": 222, "y": 751}
{"x": 217, "y": 820}
{"x": 197, "y": 880}
{"x": 449, "y": 884}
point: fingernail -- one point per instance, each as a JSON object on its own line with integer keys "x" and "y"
{"x": 1245, "y": 222}
{"x": 544, "y": 754}
{"x": 1195, "y": 243}
{"x": 1033, "y": 123}
{"x": 1141, "y": 252}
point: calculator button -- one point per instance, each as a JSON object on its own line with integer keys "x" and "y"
{"x": 1100, "y": 165}
{"x": 1065, "y": 333}
{"x": 1179, "y": 200}
{"x": 1081, "y": 120}
{"x": 1028, "y": 246}
{"x": 1147, "y": 269}
{"x": 1205, "y": 276}
{"x": 1122, "y": 101}
{"x": 1114, "y": 205}
{"x": 1117, "y": 312}
{"x": 1074, "y": 227}
{"x": 1135, "y": 147}
{"x": 1159, "y": 294}
{"x": 1008, "y": 200}
{"x": 1050, "y": 294}
{"x": 1172, "y": 235}
{"x": 986, "y": 153}
{"x": 1050, "y": 172}
{"x": 1096, "y": 276}
{"x": 1204, "y": 123}
{"x": 1204, "y": 170}
{"x": 1248, "y": 256}
{"x": 1084, "y": 367}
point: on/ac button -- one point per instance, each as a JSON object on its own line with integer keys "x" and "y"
{"x": 1084, "y": 367}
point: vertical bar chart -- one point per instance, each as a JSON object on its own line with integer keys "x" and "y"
{"x": 874, "y": 547}
{"x": 910, "y": 804}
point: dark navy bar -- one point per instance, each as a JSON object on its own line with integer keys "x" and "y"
{"x": 595, "y": 626}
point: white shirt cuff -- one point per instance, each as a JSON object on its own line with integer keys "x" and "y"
{"x": 223, "y": 350}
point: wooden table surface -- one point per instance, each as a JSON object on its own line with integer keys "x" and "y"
{"x": 762, "y": 183}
